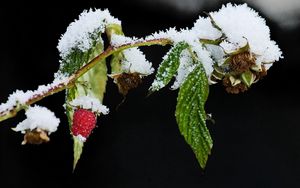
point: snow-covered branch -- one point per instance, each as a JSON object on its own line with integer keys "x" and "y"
{"x": 232, "y": 46}
{"x": 20, "y": 100}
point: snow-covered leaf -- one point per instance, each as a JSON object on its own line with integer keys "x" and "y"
{"x": 92, "y": 83}
{"x": 191, "y": 116}
{"x": 77, "y": 58}
{"x": 168, "y": 68}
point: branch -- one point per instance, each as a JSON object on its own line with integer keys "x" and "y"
{"x": 12, "y": 112}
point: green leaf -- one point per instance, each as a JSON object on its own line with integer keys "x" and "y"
{"x": 74, "y": 61}
{"x": 95, "y": 86}
{"x": 77, "y": 148}
{"x": 77, "y": 58}
{"x": 168, "y": 68}
{"x": 248, "y": 78}
{"x": 92, "y": 83}
{"x": 115, "y": 62}
{"x": 191, "y": 116}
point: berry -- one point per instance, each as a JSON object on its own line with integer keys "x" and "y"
{"x": 84, "y": 121}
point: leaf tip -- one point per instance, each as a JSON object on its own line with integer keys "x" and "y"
{"x": 78, "y": 146}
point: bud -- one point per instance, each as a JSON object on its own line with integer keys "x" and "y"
{"x": 36, "y": 136}
{"x": 127, "y": 81}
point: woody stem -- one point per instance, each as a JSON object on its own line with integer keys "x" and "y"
{"x": 9, "y": 113}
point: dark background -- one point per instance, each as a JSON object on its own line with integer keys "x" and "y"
{"x": 256, "y": 135}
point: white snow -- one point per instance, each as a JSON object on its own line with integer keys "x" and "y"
{"x": 205, "y": 29}
{"x": 216, "y": 52}
{"x": 205, "y": 58}
{"x": 186, "y": 66}
{"x": 81, "y": 138}
{"x": 239, "y": 23}
{"x": 38, "y": 117}
{"x": 242, "y": 24}
{"x": 201, "y": 30}
{"x": 135, "y": 61}
{"x": 21, "y": 98}
{"x": 118, "y": 40}
{"x": 186, "y": 35}
{"x": 157, "y": 84}
{"x": 90, "y": 103}
{"x": 191, "y": 37}
{"x": 83, "y": 32}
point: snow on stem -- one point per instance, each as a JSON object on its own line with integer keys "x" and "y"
{"x": 13, "y": 108}
{"x": 246, "y": 56}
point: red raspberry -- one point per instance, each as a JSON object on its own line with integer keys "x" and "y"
{"x": 84, "y": 121}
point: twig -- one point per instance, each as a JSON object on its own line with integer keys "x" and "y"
{"x": 12, "y": 112}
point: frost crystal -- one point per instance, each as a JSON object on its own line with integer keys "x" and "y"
{"x": 205, "y": 29}
{"x": 192, "y": 38}
{"x": 205, "y": 58}
{"x": 241, "y": 24}
{"x": 135, "y": 61}
{"x": 118, "y": 40}
{"x": 157, "y": 84}
{"x": 90, "y": 103}
{"x": 83, "y": 32}
{"x": 38, "y": 117}
{"x": 21, "y": 98}
{"x": 175, "y": 36}
{"x": 185, "y": 68}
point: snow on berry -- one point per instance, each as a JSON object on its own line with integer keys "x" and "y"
{"x": 84, "y": 121}
{"x": 241, "y": 25}
{"x": 38, "y": 118}
{"x": 89, "y": 103}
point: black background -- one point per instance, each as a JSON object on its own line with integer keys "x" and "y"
{"x": 256, "y": 135}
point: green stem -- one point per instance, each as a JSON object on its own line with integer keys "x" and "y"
{"x": 212, "y": 42}
{"x": 72, "y": 79}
